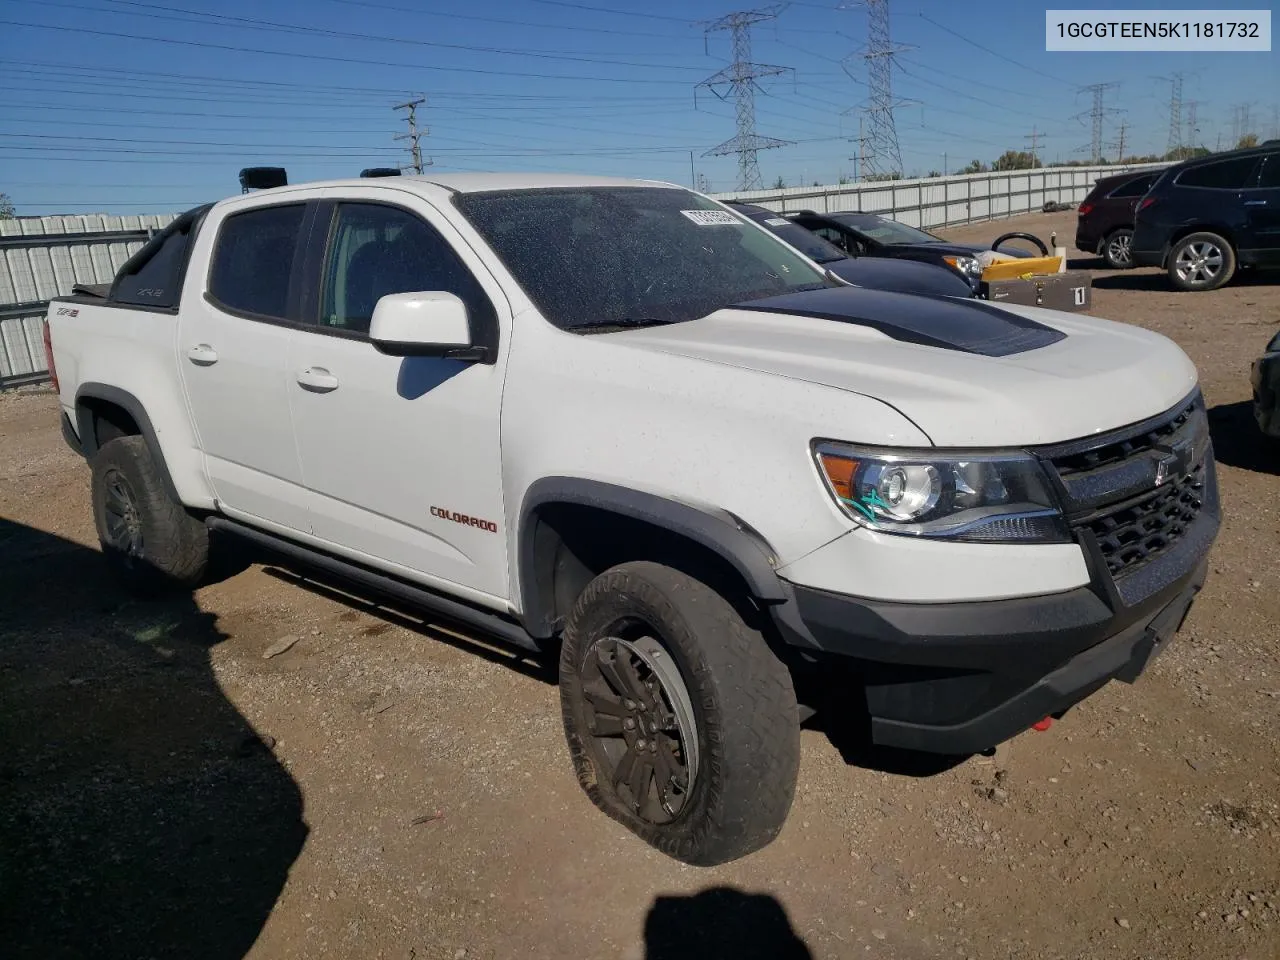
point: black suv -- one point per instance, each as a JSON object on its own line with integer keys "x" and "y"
{"x": 1104, "y": 219}
{"x": 1204, "y": 218}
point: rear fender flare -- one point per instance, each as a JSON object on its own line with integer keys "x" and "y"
{"x": 133, "y": 407}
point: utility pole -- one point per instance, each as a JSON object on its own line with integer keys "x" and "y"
{"x": 860, "y": 157}
{"x": 414, "y": 134}
{"x": 1120, "y": 149}
{"x": 1097, "y": 114}
{"x": 1241, "y": 123}
{"x": 1035, "y": 143}
{"x": 741, "y": 77}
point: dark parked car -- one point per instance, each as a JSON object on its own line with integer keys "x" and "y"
{"x": 898, "y": 276}
{"x": 869, "y": 235}
{"x": 1104, "y": 219}
{"x": 1203, "y": 218}
{"x": 1266, "y": 389}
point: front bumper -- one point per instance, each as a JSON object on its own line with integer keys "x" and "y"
{"x": 1265, "y": 378}
{"x": 959, "y": 677}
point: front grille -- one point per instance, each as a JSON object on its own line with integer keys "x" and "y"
{"x": 1117, "y": 451}
{"x": 1132, "y": 534}
{"x": 1112, "y": 491}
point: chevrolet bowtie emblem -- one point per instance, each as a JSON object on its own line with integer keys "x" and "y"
{"x": 1175, "y": 463}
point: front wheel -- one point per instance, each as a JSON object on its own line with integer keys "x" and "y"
{"x": 681, "y": 722}
{"x": 1118, "y": 250}
{"x": 1201, "y": 261}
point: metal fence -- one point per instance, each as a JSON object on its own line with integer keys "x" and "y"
{"x": 45, "y": 257}
{"x": 942, "y": 201}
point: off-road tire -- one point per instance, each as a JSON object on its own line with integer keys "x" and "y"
{"x": 1117, "y": 253}
{"x": 173, "y": 547}
{"x": 743, "y": 703}
{"x": 1225, "y": 251}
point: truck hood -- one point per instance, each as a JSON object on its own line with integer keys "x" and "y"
{"x": 967, "y": 373}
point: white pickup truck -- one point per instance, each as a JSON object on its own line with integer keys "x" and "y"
{"x": 617, "y": 419}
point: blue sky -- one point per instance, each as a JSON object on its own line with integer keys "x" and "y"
{"x": 95, "y": 118}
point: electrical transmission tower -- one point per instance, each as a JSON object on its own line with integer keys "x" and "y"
{"x": 1120, "y": 146}
{"x": 414, "y": 134}
{"x": 1191, "y": 138}
{"x": 885, "y": 155}
{"x": 741, "y": 77}
{"x": 1175, "y": 111}
{"x": 1097, "y": 114}
{"x": 1241, "y": 122}
{"x": 1034, "y": 137}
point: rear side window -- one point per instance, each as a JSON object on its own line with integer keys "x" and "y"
{"x": 153, "y": 277}
{"x": 1224, "y": 175}
{"x": 253, "y": 260}
{"x": 1270, "y": 176}
{"x": 1134, "y": 188}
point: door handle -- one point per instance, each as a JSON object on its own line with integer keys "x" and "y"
{"x": 202, "y": 355}
{"x": 317, "y": 380}
{"x": 1255, "y": 203}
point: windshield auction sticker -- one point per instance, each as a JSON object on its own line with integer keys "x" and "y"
{"x": 1183, "y": 31}
{"x": 712, "y": 218}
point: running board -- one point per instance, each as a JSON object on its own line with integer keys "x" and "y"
{"x": 485, "y": 621}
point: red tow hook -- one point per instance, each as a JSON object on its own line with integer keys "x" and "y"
{"x": 1043, "y": 725}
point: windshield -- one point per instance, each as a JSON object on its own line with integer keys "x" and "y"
{"x": 807, "y": 242}
{"x": 592, "y": 256}
{"x": 885, "y": 231}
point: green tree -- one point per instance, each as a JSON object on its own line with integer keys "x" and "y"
{"x": 878, "y": 177}
{"x": 1186, "y": 153}
{"x": 1248, "y": 140}
{"x": 1014, "y": 160}
{"x": 933, "y": 173}
{"x": 974, "y": 166}
{"x": 779, "y": 184}
{"x": 6, "y": 207}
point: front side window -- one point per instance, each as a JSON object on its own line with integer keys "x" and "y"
{"x": 253, "y": 260}
{"x": 592, "y": 256}
{"x": 1225, "y": 175}
{"x": 376, "y": 250}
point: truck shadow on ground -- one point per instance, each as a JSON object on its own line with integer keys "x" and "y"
{"x": 140, "y": 814}
{"x": 1157, "y": 280}
{"x": 839, "y": 716}
{"x": 721, "y": 922}
{"x": 1238, "y": 442}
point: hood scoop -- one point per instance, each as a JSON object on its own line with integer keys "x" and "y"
{"x": 968, "y": 326}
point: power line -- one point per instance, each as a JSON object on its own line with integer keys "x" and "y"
{"x": 329, "y": 59}
{"x": 994, "y": 53}
{"x": 414, "y": 135}
{"x": 193, "y": 16}
{"x": 1035, "y": 142}
{"x": 741, "y": 76}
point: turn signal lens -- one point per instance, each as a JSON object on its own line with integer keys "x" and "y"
{"x": 1085, "y": 209}
{"x": 839, "y": 471}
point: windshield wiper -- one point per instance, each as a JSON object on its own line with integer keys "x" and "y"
{"x": 622, "y": 323}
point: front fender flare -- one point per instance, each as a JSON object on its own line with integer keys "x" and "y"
{"x": 719, "y": 531}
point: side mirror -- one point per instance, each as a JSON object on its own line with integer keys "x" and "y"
{"x": 427, "y": 324}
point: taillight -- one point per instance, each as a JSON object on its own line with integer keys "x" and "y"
{"x": 48, "y": 357}
{"x": 1146, "y": 202}
{"x": 1086, "y": 208}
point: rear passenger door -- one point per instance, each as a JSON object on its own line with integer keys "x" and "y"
{"x": 233, "y": 340}
{"x": 1262, "y": 211}
{"x": 400, "y": 454}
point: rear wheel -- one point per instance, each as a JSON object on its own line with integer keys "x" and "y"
{"x": 1201, "y": 261}
{"x": 681, "y": 722}
{"x": 1118, "y": 249}
{"x": 149, "y": 539}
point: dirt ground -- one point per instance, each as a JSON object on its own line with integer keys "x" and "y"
{"x": 166, "y": 791}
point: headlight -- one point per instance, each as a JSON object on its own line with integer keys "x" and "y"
{"x": 985, "y": 497}
{"x": 966, "y": 265}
